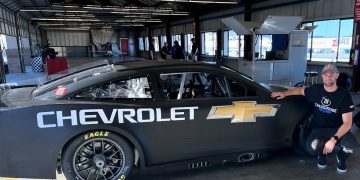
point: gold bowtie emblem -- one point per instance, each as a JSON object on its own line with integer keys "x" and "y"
{"x": 242, "y": 111}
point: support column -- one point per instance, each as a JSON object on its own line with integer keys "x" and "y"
{"x": 356, "y": 65}
{"x": 19, "y": 42}
{"x": 136, "y": 42}
{"x": 30, "y": 39}
{"x": 219, "y": 44}
{"x": 197, "y": 34}
{"x": 149, "y": 40}
{"x": 149, "y": 34}
{"x": 247, "y": 38}
{"x": 168, "y": 34}
{"x": 2, "y": 68}
{"x": 36, "y": 34}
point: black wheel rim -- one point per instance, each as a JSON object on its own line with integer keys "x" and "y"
{"x": 98, "y": 159}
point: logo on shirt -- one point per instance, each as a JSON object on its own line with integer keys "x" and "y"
{"x": 324, "y": 106}
{"x": 325, "y": 102}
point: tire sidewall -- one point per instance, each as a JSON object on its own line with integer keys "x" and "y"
{"x": 304, "y": 133}
{"x": 68, "y": 154}
{"x": 356, "y": 119}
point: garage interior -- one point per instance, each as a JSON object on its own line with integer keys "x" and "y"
{"x": 283, "y": 42}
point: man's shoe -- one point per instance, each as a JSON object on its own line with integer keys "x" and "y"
{"x": 322, "y": 161}
{"x": 341, "y": 165}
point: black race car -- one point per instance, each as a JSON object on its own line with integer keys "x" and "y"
{"x": 101, "y": 122}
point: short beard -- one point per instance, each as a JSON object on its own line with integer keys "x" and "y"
{"x": 329, "y": 84}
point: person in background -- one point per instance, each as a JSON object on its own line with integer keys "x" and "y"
{"x": 194, "y": 50}
{"x": 152, "y": 49}
{"x": 165, "y": 51}
{"x": 177, "y": 52}
{"x": 332, "y": 118}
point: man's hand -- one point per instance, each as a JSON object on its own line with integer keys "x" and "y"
{"x": 329, "y": 146}
{"x": 278, "y": 95}
{"x": 289, "y": 92}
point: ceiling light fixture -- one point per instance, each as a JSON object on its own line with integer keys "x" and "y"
{"x": 90, "y": 24}
{"x": 68, "y": 28}
{"x": 105, "y": 10}
{"x": 205, "y": 1}
{"x": 146, "y": 20}
{"x": 65, "y": 19}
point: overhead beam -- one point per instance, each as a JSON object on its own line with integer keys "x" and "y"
{"x": 136, "y": 2}
{"x": 206, "y": 1}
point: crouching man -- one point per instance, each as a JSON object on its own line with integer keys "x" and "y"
{"x": 332, "y": 118}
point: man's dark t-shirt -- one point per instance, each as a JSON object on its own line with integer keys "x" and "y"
{"x": 164, "y": 51}
{"x": 177, "y": 52}
{"x": 328, "y": 106}
{"x": 193, "y": 48}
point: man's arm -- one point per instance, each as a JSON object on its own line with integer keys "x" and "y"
{"x": 196, "y": 51}
{"x": 289, "y": 92}
{"x": 344, "y": 128}
{"x": 164, "y": 51}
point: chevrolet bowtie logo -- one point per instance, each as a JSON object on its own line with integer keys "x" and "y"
{"x": 242, "y": 111}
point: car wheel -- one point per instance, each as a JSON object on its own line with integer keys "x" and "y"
{"x": 356, "y": 119}
{"x": 304, "y": 133}
{"x": 97, "y": 155}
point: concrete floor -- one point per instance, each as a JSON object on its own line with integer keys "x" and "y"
{"x": 284, "y": 164}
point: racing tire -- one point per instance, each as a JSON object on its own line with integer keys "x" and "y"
{"x": 303, "y": 134}
{"x": 356, "y": 119}
{"x": 97, "y": 155}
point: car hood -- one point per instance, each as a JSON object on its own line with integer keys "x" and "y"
{"x": 16, "y": 96}
{"x": 275, "y": 87}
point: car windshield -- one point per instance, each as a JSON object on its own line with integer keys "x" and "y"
{"x": 72, "y": 78}
{"x": 76, "y": 69}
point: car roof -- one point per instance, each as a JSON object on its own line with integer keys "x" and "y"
{"x": 139, "y": 64}
{"x": 144, "y": 64}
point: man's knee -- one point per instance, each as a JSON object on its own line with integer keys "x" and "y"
{"x": 349, "y": 143}
{"x": 315, "y": 146}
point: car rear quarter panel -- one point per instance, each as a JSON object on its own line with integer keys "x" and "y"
{"x": 292, "y": 112}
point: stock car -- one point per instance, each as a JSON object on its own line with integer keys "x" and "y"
{"x": 103, "y": 121}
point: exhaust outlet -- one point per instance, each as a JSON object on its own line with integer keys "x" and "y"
{"x": 246, "y": 157}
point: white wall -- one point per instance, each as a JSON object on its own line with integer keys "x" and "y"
{"x": 68, "y": 38}
{"x": 11, "y": 42}
{"x": 25, "y": 42}
{"x": 114, "y": 38}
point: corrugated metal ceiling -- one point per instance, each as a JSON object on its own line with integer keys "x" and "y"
{"x": 145, "y": 6}
{"x": 15, "y": 5}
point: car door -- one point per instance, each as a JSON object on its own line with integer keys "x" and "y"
{"x": 209, "y": 133}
